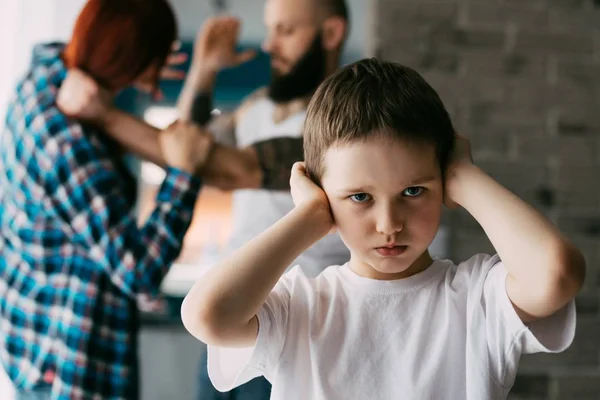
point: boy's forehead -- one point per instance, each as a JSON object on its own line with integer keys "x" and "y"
{"x": 378, "y": 163}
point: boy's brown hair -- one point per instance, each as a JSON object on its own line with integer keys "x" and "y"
{"x": 369, "y": 98}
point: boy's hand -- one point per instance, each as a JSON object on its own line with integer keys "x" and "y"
{"x": 306, "y": 192}
{"x": 82, "y": 98}
{"x": 461, "y": 159}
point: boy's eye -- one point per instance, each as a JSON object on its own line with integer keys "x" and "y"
{"x": 360, "y": 197}
{"x": 413, "y": 191}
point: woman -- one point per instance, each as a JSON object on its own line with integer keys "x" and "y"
{"x": 73, "y": 262}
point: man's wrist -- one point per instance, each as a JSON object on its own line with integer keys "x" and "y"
{"x": 201, "y": 111}
{"x": 202, "y": 79}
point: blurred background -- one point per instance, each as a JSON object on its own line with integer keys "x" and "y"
{"x": 521, "y": 79}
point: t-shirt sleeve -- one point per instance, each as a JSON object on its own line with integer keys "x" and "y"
{"x": 232, "y": 367}
{"x": 506, "y": 336}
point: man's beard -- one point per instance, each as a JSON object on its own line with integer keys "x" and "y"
{"x": 304, "y": 77}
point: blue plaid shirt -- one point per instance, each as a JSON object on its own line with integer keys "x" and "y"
{"x": 73, "y": 261}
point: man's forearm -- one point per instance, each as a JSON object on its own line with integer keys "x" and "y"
{"x": 265, "y": 165}
{"x": 230, "y": 168}
{"x": 135, "y": 135}
{"x": 276, "y": 158}
{"x": 198, "y": 82}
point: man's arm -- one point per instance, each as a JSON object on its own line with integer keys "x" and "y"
{"x": 545, "y": 270}
{"x": 276, "y": 158}
{"x": 264, "y": 165}
{"x": 214, "y": 50}
{"x": 195, "y": 104}
{"x": 134, "y": 135}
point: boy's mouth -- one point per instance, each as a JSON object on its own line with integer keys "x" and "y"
{"x": 391, "y": 250}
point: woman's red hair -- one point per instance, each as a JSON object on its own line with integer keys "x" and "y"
{"x": 115, "y": 41}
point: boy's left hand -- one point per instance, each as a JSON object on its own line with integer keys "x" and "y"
{"x": 461, "y": 159}
{"x": 306, "y": 192}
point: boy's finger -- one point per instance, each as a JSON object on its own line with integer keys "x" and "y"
{"x": 298, "y": 167}
{"x": 297, "y": 172}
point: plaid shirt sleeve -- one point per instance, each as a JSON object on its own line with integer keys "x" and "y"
{"x": 88, "y": 192}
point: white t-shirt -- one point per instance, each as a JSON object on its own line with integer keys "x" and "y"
{"x": 449, "y": 332}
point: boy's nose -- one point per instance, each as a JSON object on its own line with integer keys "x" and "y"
{"x": 389, "y": 222}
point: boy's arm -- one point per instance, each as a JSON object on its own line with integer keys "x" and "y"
{"x": 221, "y": 308}
{"x": 545, "y": 270}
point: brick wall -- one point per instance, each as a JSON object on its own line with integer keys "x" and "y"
{"x": 521, "y": 79}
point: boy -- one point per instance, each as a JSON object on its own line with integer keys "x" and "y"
{"x": 392, "y": 323}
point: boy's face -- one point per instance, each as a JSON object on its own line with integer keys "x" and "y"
{"x": 386, "y": 197}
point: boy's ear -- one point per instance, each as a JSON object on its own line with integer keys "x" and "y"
{"x": 334, "y": 32}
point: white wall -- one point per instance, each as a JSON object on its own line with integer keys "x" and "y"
{"x": 24, "y": 23}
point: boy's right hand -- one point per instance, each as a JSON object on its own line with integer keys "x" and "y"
{"x": 306, "y": 193}
{"x": 186, "y": 146}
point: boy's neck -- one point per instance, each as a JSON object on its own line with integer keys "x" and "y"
{"x": 420, "y": 265}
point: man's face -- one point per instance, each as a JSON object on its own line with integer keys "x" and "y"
{"x": 294, "y": 43}
{"x": 291, "y": 27}
{"x": 386, "y": 197}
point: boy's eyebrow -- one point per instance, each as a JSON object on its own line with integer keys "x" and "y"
{"x": 360, "y": 189}
{"x": 420, "y": 181}
{"x": 363, "y": 189}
